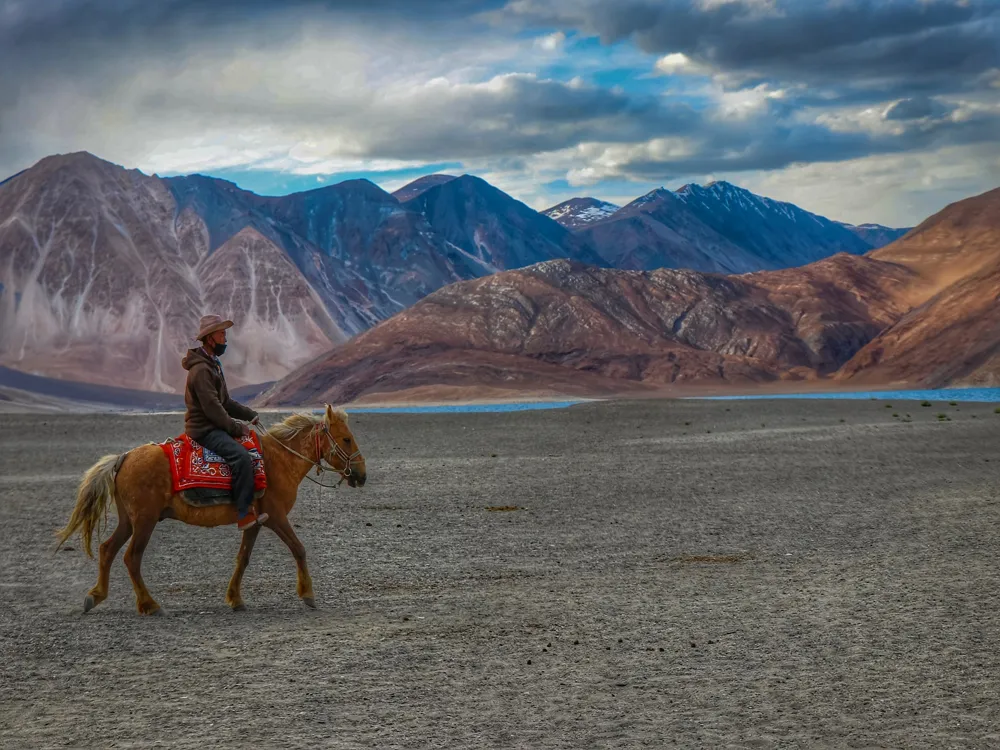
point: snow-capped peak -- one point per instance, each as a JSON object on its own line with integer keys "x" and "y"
{"x": 579, "y": 212}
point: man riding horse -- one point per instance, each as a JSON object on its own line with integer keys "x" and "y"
{"x": 213, "y": 418}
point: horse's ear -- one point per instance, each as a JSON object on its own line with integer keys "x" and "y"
{"x": 335, "y": 415}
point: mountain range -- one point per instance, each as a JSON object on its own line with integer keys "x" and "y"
{"x": 920, "y": 311}
{"x": 719, "y": 227}
{"x": 104, "y": 271}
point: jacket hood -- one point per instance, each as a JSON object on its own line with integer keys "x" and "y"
{"x": 194, "y": 357}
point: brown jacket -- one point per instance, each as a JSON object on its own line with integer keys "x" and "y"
{"x": 209, "y": 406}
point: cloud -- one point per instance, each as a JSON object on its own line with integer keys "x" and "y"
{"x": 844, "y": 44}
{"x": 677, "y": 63}
{"x": 530, "y": 92}
{"x": 893, "y": 189}
{"x": 916, "y": 108}
{"x": 551, "y": 42}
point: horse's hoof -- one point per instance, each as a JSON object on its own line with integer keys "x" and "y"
{"x": 88, "y": 603}
{"x": 309, "y": 602}
{"x": 241, "y": 607}
{"x": 158, "y": 612}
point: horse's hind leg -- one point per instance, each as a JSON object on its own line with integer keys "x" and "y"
{"x": 142, "y": 531}
{"x": 233, "y": 597}
{"x": 109, "y": 549}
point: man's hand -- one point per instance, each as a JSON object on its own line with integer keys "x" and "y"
{"x": 246, "y": 429}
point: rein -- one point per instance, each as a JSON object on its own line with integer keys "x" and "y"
{"x": 347, "y": 458}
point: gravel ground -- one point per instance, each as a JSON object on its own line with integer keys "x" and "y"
{"x": 689, "y": 573}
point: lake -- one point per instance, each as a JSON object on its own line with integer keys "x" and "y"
{"x": 494, "y": 407}
{"x": 931, "y": 394}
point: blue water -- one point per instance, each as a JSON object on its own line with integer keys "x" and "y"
{"x": 526, "y": 406}
{"x": 940, "y": 394}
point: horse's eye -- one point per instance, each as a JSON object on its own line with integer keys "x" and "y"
{"x": 347, "y": 440}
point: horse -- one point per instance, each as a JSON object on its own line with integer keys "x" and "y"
{"x": 139, "y": 483}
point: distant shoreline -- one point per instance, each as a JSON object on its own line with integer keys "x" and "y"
{"x": 24, "y": 393}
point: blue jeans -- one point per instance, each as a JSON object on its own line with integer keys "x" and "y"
{"x": 240, "y": 463}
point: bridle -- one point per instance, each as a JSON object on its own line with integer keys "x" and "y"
{"x": 337, "y": 450}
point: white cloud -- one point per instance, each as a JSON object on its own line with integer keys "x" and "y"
{"x": 742, "y": 104}
{"x": 552, "y": 42}
{"x": 677, "y": 63}
{"x": 895, "y": 189}
{"x": 758, "y": 6}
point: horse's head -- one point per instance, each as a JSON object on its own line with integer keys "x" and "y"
{"x": 340, "y": 449}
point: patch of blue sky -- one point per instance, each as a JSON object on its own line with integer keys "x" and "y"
{"x": 604, "y": 65}
{"x": 634, "y": 77}
{"x": 614, "y": 191}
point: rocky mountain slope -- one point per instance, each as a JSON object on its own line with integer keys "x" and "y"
{"x": 659, "y": 231}
{"x": 952, "y": 334}
{"x": 90, "y": 264}
{"x": 624, "y": 327}
{"x": 364, "y": 254}
{"x": 780, "y": 234}
{"x": 717, "y": 228}
{"x": 494, "y": 229}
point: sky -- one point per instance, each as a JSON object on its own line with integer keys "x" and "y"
{"x": 880, "y": 111}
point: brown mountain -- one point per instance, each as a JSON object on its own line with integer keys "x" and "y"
{"x": 103, "y": 277}
{"x": 953, "y": 243}
{"x": 564, "y": 327}
{"x": 283, "y": 322}
{"x": 952, "y": 334}
{"x": 91, "y": 263}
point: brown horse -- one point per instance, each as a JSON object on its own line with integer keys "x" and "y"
{"x": 139, "y": 483}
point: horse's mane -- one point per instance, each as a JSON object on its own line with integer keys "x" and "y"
{"x": 293, "y": 425}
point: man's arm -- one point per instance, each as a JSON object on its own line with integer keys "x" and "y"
{"x": 238, "y": 410}
{"x": 211, "y": 406}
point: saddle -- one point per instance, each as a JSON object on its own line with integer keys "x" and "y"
{"x": 202, "y": 477}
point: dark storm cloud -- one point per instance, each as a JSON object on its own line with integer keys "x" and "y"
{"x": 769, "y": 148}
{"x": 891, "y": 55}
{"x": 33, "y": 23}
{"x": 916, "y": 108}
{"x": 72, "y": 37}
{"x": 92, "y": 46}
{"x": 853, "y": 42}
{"x": 770, "y": 145}
{"x": 511, "y": 115}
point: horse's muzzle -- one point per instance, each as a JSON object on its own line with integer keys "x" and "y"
{"x": 357, "y": 480}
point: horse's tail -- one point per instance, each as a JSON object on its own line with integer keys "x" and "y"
{"x": 96, "y": 490}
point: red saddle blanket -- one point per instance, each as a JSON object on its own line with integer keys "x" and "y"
{"x": 193, "y": 465}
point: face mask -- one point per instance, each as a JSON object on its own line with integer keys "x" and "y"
{"x": 219, "y": 349}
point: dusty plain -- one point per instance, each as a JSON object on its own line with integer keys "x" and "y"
{"x": 613, "y": 575}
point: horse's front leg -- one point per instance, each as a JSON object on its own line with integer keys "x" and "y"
{"x": 233, "y": 596}
{"x": 280, "y": 526}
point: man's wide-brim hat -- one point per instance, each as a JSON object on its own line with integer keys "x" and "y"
{"x": 209, "y": 324}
